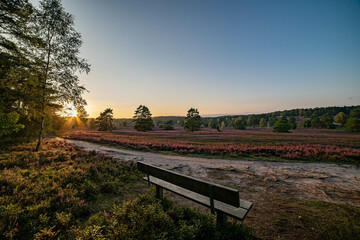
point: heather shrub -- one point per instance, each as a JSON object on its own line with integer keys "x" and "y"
{"x": 62, "y": 192}
{"x": 43, "y": 193}
{"x": 147, "y": 217}
{"x": 291, "y": 151}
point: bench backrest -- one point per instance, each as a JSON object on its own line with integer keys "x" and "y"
{"x": 218, "y": 192}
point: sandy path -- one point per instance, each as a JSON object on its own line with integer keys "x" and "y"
{"x": 256, "y": 179}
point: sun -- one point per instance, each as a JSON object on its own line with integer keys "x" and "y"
{"x": 71, "y": 112}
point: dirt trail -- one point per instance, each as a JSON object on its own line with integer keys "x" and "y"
{"x": 256, "y": 179}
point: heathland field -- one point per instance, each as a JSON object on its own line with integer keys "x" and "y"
{"x": 292, "y": 200}
{"x": 301, "y": 144}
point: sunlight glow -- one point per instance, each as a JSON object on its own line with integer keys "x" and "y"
{"x": 71, "y": 112}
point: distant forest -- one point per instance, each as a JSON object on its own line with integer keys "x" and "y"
{"x": 303, "y": 117}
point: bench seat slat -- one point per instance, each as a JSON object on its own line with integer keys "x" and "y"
{"x": 221, "y": 193}
{"x": 235, "y": 212}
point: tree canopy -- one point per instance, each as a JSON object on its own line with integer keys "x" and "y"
{"x": 352, "y": 125}
{"x": 143, "y": 120}
{"x": 192, "y": 120}
{"x": 240, "y": 124}
{"x": 39, "y": 63}
{"x": 105, "y": 121}
{"x": 282, "y": 126}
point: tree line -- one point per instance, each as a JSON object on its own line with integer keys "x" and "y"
{"x": 278, "y": 121}
{"x": 143, "y": 120}
{"x": 39, "y": 63}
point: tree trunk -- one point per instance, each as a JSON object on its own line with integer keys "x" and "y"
{"x": 44, "y": 95}
{"x": 42, "y": 118}
{"x": 42, "y": 129}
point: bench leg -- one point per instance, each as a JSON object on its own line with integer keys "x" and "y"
{"x": 220, "y": 217}
{"x": 159, "y": 191}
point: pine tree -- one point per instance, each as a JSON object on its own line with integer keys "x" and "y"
{"x": 143, "y": 120}
{"x": 282, "y": 126}
{"x": 192, "y": 120}
{"x": 105, "y": 121}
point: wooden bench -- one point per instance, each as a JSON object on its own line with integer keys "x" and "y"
{"x": 222, "y": 201}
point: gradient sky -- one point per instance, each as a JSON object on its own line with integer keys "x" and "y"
{"x": 222, "y": 57}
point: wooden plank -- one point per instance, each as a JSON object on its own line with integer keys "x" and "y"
{"x": 245, "y": 204}
{"x": 235, "y": 212}
{"x": 221, "y": 193}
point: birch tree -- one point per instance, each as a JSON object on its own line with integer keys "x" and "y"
{"x": 58, "y": 59}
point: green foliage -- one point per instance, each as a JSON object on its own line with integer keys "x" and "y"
{"x": 282, "y": 126}
{"x": 340, "y": 118}
{"x": 168, "y": 125}
{"x": 38, "y": 63}
{"x": 212, "y": 124}
{"x": 355, "y": 113}
{"x": 8, "y": 123}
{"x": 239, "y": 124}
{"x": 352, "y": 125}
{"x": 316, "y": 123}
{"x": 327, "y": 121}
{"x": 147, "y": 217}
{"x": 262, "y": 122}
{"x": 306, "y": 123}
{"x": 251, "y": 120}
{"x": 53, "y": 194}
{"x": 143, "y": 120}
{"x": 105, "y": 121}
{"x": 271, "y": 118}
{"x": 292, "y": 123}
{"x": 42, "y": 194}
{"x": 192, "y": 120}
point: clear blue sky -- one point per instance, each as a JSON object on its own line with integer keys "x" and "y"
{"x": 222, "y": 57}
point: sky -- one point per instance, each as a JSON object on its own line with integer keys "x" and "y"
{"x": 222, "y": 57}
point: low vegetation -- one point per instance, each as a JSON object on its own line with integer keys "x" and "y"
{"x": 224, "y": 144}
{"x": 63, "y": 192}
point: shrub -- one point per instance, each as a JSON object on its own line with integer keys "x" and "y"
{"x": 282, "y": 126}
{"x": 147, "y": 217}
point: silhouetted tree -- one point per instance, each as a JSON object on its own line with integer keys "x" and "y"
{"x": 192, "y": 120}
{"x": 58, "y": 58}
{"x": 105, "y": 121}
{"x": 143, "y": 120}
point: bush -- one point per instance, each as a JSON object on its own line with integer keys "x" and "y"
{"x": 43, "y": 193}
{"x": 147, "y": 217}
{"x": 282, "y": 126}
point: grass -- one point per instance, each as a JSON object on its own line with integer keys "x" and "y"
{"x": 306, "y": 219}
